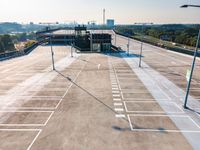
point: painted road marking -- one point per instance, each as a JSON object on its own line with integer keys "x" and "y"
{"x": 119, "y": 109}
{"x": 117, "y": 99}
{"x": 116, "y": 95}
{"x": 34, "y": 140}
{"x": 114, "y": 86}
{"x": 99, "y": 65}
{"x": 118, "y": 104}
{"x": 116, "y": 92}
{"x": 120, "y": 116}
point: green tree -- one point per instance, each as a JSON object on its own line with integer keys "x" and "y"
{"x": 6, "y": 43}
{"x": 1, "y": 47}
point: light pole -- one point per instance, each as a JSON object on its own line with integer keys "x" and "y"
{"x": 193, "y": 62}
{"x": 52, "y": 53}
{"x": 142, "y": 37}
{"x": 72, "y": 45}
{"x": 115, "y": 39}
{"x": 50, "y": 39}
{"x": 186, "y": 6}
{"x": 141, "y": 48}
{"x": 192, "y": 70}
{"x": 128, "y": 46}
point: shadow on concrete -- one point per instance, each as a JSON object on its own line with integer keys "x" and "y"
{"x": 120, "y": 129}
{"x": 161, "y": 130}
{"x": 95, "y": 98}
{"x": 193, "y": 110}
{"x": 122, "y": 55}
{"x": 87, "y": 61}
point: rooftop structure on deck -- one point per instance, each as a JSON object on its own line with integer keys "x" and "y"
{"x": 80, "y": 37}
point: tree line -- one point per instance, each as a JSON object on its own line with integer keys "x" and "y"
{"x": 182, "y": 34}
{"x": 8, "y": 41}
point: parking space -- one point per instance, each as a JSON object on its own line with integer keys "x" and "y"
{"x": 151, "y": 107}
{"x": 18, "y": 139}
{"x": 162, "y": 123}
{"x": 49, "y": 103}
{"x": 24, "y": 118}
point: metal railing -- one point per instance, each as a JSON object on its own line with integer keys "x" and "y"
{"x": 14, "y": 54}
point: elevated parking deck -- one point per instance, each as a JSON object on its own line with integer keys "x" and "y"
{"x": 98, "y": 101}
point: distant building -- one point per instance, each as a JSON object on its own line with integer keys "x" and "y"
{"x": 110, "y": 23}
{"x": 91, "y": 24}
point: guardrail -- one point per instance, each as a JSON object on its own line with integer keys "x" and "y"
{"x": 47, "y": 31}
{"x": 175, "y": 49}
{"x": 14, "y": 54}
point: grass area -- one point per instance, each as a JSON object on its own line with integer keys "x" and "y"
{"x": 162, "y": 43}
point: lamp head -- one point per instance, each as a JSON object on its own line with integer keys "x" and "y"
{"x": 184, "y": 6}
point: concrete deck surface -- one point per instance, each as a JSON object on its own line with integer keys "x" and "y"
{"x": 98, "y": 101}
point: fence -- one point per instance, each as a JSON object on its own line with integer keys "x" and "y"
{"x": 13, "y": 54}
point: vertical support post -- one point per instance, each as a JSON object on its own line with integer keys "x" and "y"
{"x": 192, "y": 70}
{"x": 52, "y": 53}
{"x": 91, "y": 43}
{"x": 140, "y": 61}
{"x": 104, "y": 16}
{"x": 115, "y": 39}
{"x": 72, "y": 50}
{"x": 128, "y": 46}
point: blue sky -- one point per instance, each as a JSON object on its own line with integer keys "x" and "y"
{"x": 123, "y": 11}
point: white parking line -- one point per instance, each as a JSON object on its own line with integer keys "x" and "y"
{"x": 21, "y": 130}
{"x": 116, "y": 95}
{"x": 118, "y": 104}
{"x": 114, "y": 86}
{"x": 115, "y": 92}
{"x": 117, "y": 99}
{"x": 119, "y": 109}
{"x": 120, "y": 116}
{"x": 99, "y": 65}
{"x": 29, "y": 147}
{"x": 114, "y": 83}
{"x": 30, "y": 108}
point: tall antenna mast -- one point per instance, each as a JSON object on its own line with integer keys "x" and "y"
{"x": 104, "y": 16}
